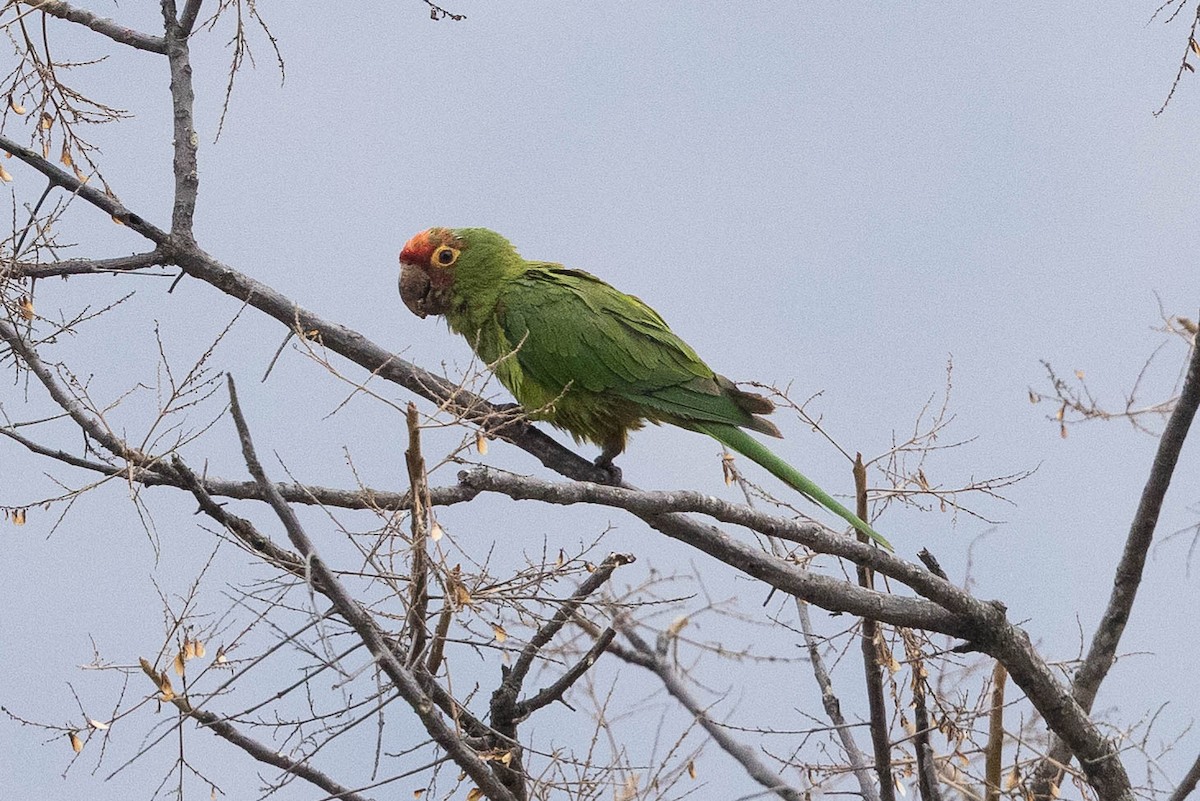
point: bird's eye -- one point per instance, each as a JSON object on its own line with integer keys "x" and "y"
{"x": 445, "y": 255}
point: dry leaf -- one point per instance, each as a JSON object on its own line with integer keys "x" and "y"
{"x": 4, "y": 175}
{"x": 221, "y": 658}
{"x": 481, "y": 443}
{"x": 691, "y": 769}
{"x": 499, "y": 632}
{"x": 1062, "y": 431}
{"x": 117, "y": 220}
{"x": 97, "y": 725}
{"x": 461, "y": 596}
{"x": 164, "y": 686}
{"x": 76, "y": 742}
{"x": 17, "y": 108}
{"x": 419, "y": 793}
{"x": 475, "y": 794}
{"x": 46, "y": 121}
{"x": 178, "y": 665}
{"x": 26, "y": 307}
{"x": 1034, "y": 397}
{"x": 435, "y": 532}
{"x": 727, "y": 469}
{"x": 1191, "y": 43}
{"x": 1079, "y": 374}
{"x": 198, "y": 648}
{"x": 189, "y": 648}
{"x": 561, "y": 558}
{"x": 18, "y": 517}
{"x": 65, "y": 158}
{"x": 677, "y": 625}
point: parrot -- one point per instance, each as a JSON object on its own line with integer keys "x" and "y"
{"x": 583, "y": 356}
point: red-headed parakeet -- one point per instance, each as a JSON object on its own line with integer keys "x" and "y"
{"x": 582, "y": 355}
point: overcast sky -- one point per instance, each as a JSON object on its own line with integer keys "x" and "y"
{"x": 836, "y": 197}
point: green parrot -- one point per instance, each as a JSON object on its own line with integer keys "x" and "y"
{"x": 582, "y": 355}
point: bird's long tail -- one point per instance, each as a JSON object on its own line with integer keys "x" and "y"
{"x": 738, "y": 440}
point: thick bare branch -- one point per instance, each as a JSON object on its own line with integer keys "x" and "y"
{"x": 984, "y": 624}
{"x": 183, "y": 98}
{"x": 187, "y": 17}
{"x": 102, "y": 25}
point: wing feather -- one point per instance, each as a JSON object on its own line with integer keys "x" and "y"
{"x": 577, "y": 331}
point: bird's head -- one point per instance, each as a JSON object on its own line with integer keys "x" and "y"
{"x": 440, "y": 267}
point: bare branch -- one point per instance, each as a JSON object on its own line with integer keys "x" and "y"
{"x": 187, "y": 177}
{"x": 102, "y": 25}
{"x": 120, "y": 264}
{"x": 745, "y": 756}
{"x": 187, "y": 18}
{"x": 349, "y": 609}
{"x": 984, "y": 624}
{"x": 1188, "y": 784}
{"x": 868, "y": 645}
{"x": 833, "y": 709}
{"x": 1128, "y": 577}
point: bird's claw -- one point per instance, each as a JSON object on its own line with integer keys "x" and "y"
{"x": 605, "y": 463}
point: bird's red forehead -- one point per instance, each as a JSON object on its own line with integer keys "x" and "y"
{"x": 419, "y": 249}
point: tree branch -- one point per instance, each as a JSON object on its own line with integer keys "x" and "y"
{"x": 833, "y": 710}
{"x": 984, "y": 624}
{"x": 1188, "y": 784}
{"x": 101, "y": 25}
{"x": 183, "y": 98}
{"x": 1128, "y": 578}
{"x": 743, "y": 754}
{"x": 349, "y": 609}
{"x": 187, "y": 18}
{"x": 120, "y": 264}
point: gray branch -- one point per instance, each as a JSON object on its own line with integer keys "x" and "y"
{"x": 743, "y": 754}
{"x": 187, "y": 175}
{"x": 360, "y": 620}
{"x": 983, "y": 624}
{"x": 102, "y": 25}
{"x": 1128, "y": 577}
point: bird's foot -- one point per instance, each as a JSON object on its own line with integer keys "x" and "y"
{"x": 605, "y": 462}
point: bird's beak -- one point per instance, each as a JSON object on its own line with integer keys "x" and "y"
{"x": 414, "y": 288}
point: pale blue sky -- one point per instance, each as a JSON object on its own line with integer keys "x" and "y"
{"x": 839, "y": 197}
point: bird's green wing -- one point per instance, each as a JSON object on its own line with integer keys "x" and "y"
{"x": 570, "y": 329}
